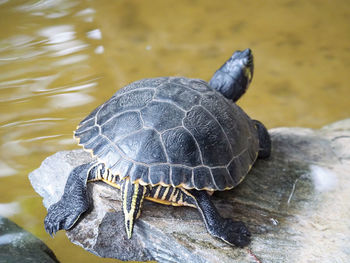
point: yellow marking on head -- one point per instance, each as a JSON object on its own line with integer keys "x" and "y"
{"x": 248, "y": 73}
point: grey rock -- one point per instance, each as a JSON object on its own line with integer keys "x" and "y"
{"x": 18, "y": 245}
{"x": 296, "y": 204}
{"x": 49, "y": 180}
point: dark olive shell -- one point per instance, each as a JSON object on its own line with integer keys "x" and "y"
{"x": 172, "y": 131}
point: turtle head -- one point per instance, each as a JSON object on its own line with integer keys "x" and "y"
{"x": 234, "y": 77}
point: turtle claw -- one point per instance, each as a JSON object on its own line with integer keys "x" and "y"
{"x": 50, "y": 229}
{"x": 60, "y": 216}
{"x": 234, "y": 233}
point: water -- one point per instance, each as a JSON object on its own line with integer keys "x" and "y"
{"x": 60, "y": 59}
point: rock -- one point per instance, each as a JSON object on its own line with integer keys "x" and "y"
{"x": 18, "y": 245}
{"x": 296, "y": 204}
{"x": 49, "y": 180}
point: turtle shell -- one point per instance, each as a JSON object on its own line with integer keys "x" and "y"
{"x": 172, "y": 131}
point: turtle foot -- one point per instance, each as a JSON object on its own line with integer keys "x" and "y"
{"x": 234, "y": 232}
{"x": 74, "y": 202}
{"x": 62, "y": 215}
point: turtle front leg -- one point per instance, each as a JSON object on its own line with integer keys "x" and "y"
{"x": 230, "y": 231}
{"x": 132, "y": 196}
{"x": 74, "y": 201}
{"x": 264, "y": 140}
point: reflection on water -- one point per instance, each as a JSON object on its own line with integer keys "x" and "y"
{"x": 59, "y": 59}
{"x": 10, "y": 209}
{"x": 47, "y": 55}
{"x": 6, "y": 170}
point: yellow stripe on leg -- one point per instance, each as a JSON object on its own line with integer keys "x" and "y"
{"x": 132, "y": 212}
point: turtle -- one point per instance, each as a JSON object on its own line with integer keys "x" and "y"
{"x": 170, "y": 140}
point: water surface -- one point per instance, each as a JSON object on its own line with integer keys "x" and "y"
{"x": 60, "y": 59}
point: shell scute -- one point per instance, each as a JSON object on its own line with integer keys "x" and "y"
{"x": 199, "y": 85}
{"x": 142, "y": 84}
{"x": 181, "y": 176}
{"x": 139, "y": 172}
{"x": 122, "y": 168}
{"x": 210, "y": 137}
{"x": 129, "y": 101}
{"x": 113, "y": 156}
{"x": 178, "y": 94}
{"x": 143, "y": 146}
{"x": 115, "y": 128}
{"x": 202, "y": 178}
{"x": 181, "y": 147}
{"x": 159, "y": 174}
{"x": 235, "y": 172}
{"x": 162, "y": 115}
{"x": 233, "y": 120}
{"x": 221, "y": 178}
{"x": 87, "y": 135}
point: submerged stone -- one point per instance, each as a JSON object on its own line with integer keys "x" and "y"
{"x": 296, "y": 204}
{"x": 18, "y": 245}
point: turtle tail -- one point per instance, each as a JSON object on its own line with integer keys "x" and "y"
{"x": 132, "y": 196}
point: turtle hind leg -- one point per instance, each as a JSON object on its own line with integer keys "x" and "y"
{"x": 74, "y": 201}
{"x": 132, "y": 196}
{"x": 264, "y": 140}
{"x": 230, "y": 231}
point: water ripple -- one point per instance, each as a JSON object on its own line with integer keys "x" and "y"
{"x": 9, "y": 209}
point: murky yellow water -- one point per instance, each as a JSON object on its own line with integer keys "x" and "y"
{"x": 59, "y": 59}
